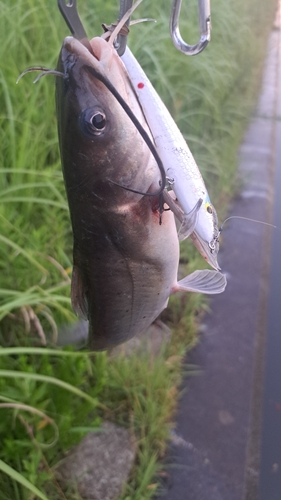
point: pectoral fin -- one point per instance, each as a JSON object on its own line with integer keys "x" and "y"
{"x": 78, "y": 296}
{"x": 205, "y": 281}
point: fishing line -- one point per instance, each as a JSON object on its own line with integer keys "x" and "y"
{"x": 246, "y": 218}
{"x": 127, "y": 109}
{"x": 140, "y": 129}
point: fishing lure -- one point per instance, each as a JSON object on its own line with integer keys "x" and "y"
{"x": 180, "y": 167}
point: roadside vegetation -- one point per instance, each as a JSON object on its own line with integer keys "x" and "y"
{"x": 50, "y": 399}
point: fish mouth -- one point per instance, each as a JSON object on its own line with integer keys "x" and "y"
{"x": 72, "y": 51}
{"x": 101, "y": 51}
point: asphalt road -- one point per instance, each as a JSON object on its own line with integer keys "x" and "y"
{"x": 227, "y": 442}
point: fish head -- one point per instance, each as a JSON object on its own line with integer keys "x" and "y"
{"x": 100, "y": 146}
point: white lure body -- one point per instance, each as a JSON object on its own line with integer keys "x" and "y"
{"x": 180, "y": 166}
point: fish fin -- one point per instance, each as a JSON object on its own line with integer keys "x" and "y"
{"x": 205, "y": 281}
{"x": 78, "y": 296}
{"x": 189, "y": 222}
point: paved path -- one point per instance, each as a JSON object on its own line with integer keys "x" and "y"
{"x": 215, "y": 451}
{"x": 270, "y": 464}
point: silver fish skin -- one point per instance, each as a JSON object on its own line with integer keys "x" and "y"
{"x": 124, "y": 262}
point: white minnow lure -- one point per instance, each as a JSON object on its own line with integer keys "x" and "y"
{"x": 180, "y": 166}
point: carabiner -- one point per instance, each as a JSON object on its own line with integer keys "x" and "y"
{"x": 204, "y": 25}
{"x": 125, "y": 5}
{"x": 73, "y": 21}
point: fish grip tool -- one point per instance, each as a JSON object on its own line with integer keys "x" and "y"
{"x": 73, "y": 21}
{"x": 70, "y": 14}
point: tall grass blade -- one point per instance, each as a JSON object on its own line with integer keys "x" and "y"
{"x": 49, "y": 380}
{"x": 21, "y": 479}
{"x": 11, "y": 351}
{"x": 21, "y": 250}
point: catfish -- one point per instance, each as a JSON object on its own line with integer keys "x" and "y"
{"x": 125, "y": 247}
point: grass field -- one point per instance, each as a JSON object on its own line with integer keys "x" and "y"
{"x": 211, "y": 97}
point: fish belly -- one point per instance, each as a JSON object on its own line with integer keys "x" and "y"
{"x": 129, "y": 276}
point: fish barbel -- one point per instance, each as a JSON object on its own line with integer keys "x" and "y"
{"x": 124, "y": 262}
{"x": 179, "y": 164}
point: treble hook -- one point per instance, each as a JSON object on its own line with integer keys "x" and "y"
{"x": 125, "y": 5}
{"x": 204, "y": 24}
{"x": 73, "y": 21}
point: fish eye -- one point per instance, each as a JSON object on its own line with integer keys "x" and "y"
{"x": 92, "y": 121}
{"x": 98, "y": 121}
{"x": 209, "y": 208}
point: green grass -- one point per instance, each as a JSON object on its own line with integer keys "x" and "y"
{"x": 44, "y": 397}
{"x": 211, "y": 97}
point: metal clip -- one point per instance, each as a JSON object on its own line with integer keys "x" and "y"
{"x": 73, "y": 21}
{"x": 204, "y": 24}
